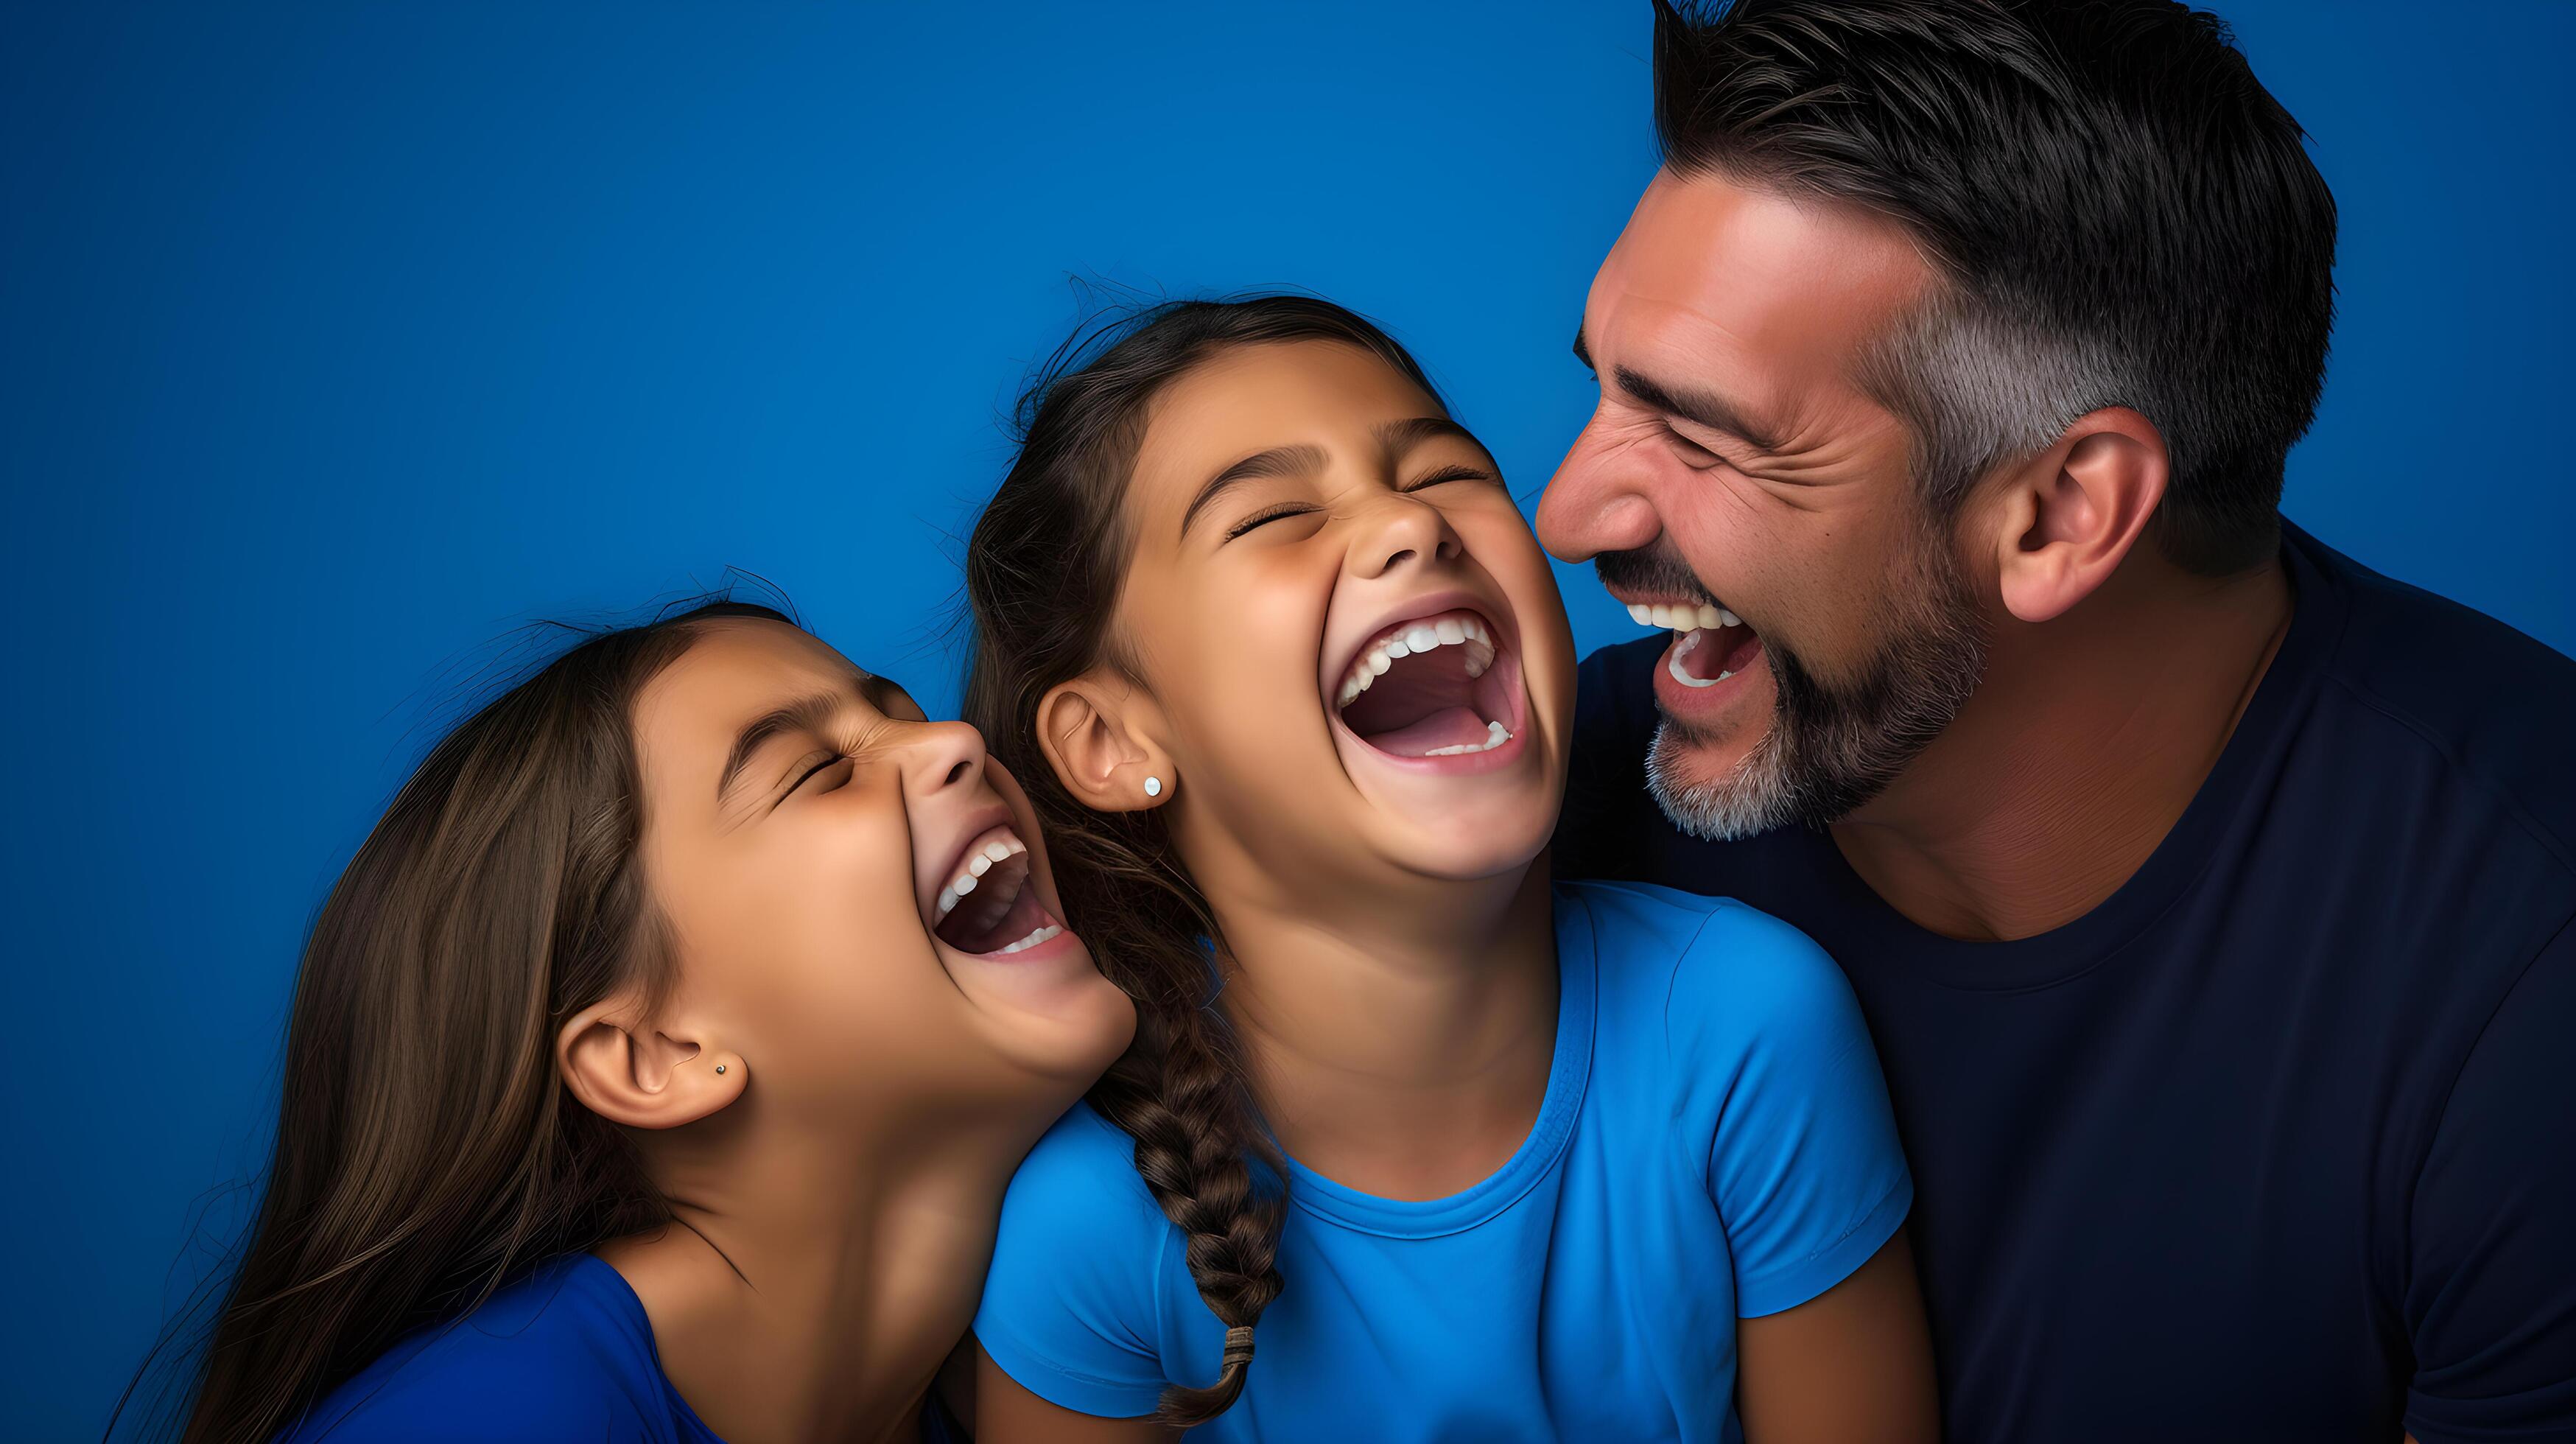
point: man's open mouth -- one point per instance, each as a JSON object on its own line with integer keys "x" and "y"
{"x": 1440, "y": 685}
{"x": 1710, "y": 643}
{"x": 989, "y": 906}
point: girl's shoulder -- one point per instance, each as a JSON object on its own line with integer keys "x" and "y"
{"x": 1074, "y": 1305}
{"x": 1085, "y": 1166}
{"x": 1079, "y": 1191}
{"x": 564, "y": 1352}
{"x": 1710, "y": 974}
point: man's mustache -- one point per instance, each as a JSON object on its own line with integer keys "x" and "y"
{"x": 1651, "y": 571}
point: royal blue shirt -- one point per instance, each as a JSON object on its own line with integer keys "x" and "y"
{"x": 565, "y": 1353}
{"x": 2278, "y": 1142}
{"x": 1714, "y": 1143}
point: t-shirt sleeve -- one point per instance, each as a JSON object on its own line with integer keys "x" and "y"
{"x": 1803, "y": 1162}
{"x": 1069, "y": 1308}
{"x": 2490, "y": 1300}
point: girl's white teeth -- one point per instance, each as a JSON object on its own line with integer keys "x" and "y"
{"x": 1411, "y": 638}
{"x": 1032, "y": 940}
{"x": 978, "y": 863}
{"x": 1495, "y": 736}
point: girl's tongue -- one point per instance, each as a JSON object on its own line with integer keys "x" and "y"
{"x": 1446, "y": 730}
{"x": 1436, "y": 701}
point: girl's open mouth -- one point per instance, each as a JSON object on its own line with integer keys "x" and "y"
{"x": 989, "y": 906}
{"x": 1442, "y": 688}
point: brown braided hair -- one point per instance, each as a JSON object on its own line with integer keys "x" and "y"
{"x": 1043, "y": 573}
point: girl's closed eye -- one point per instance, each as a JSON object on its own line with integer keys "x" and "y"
{"x": 831, "y": 768}
{"x": 1267, "y": 515}
{"x": 1451, "y": 473}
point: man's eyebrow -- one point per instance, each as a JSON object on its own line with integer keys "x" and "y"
{"x": 1702, "y": 407}
{"x": 1277, "y": 461}
{"x": 1582, "y": 352}
{"x": 806, "y": 714}
{"x": 1399, "y": 437}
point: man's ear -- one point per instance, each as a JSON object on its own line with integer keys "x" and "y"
{"x": 1098, "y": 734}
{"x": 638, "y": 1074}
{"x": 2066, "y": 520}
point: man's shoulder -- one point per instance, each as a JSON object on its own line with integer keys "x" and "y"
{"x": 2458, "y": 694}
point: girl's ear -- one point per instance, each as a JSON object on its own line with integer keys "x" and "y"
{"x": 640, "y": 1074}
{"x": 1098, "y": 735}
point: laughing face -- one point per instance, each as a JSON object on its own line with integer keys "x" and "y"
{"x": 1350, "y": 644}
{"x": 858, "y": 895}
{"x": 1739, "y": 487}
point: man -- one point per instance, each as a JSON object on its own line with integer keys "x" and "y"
{"x": 2208, "y": 895}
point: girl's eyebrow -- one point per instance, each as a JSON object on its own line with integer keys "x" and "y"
{"x": 1277, "y": 461}
{"x": 1399, "y": 437}
{"x": 805, "y": 714}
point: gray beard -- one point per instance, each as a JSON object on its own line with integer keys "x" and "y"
{"x": 1832, "y": 747}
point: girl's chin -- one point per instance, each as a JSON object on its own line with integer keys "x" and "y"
{"x": 1497, "y": 837}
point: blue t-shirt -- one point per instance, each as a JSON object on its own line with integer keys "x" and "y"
{"x": 565, "y": 1353}
{"x": 1714, "y": 1144}
{"x": 2279, "y": 1141}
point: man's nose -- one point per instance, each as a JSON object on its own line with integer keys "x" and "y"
{"x": 940, "y": 757}
{"x": 1593, "y": 505}
{"x": 1397, "y": 530}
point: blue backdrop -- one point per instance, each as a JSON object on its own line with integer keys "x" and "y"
{"x": 336, "y": 340}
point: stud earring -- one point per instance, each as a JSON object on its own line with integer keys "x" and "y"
{"x": 719, "y": 1067}
{"x": 1153, "y": 787}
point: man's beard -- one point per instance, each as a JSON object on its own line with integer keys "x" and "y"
{"x": 1832, "y": 746}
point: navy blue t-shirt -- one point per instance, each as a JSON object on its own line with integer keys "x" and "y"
{"x": 2279, "y": 1142}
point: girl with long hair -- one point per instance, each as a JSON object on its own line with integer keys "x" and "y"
{"x": 1412, "y": 1144}
{"x": 657, "y": 1065}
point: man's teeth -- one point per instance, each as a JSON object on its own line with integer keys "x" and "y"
{"x": 1413, "y": 637}
{"x": 1032, "y": 940}
{"x": 1684, "y": 618}
{"x": 976, "y": 865}
{"x": 1495, "y": 736}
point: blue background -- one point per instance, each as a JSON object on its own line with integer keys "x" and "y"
{"x": 337, "y": 340}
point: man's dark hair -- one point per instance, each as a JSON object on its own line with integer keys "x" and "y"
{"x": 2122, "y": 215}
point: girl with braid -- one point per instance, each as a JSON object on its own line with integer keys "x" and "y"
{"x": 1412, "y": 1143}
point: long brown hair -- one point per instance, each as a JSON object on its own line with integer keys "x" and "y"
{"x": 1043, "y": 569}
{"x": 426, "y": 1152}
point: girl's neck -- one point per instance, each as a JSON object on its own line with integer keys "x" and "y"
{"x": 1399, "y": 1044}
{"x": 810, "y": 1290}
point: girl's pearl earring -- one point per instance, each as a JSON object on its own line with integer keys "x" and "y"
{"x": 1153, "y": 787}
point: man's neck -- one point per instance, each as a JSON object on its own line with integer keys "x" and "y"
{"x": 810, "y": 1289}
{"x": 2085, "y": 742}
{"x": 1399, "y": 1044}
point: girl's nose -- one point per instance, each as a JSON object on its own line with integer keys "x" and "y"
{"x": 1401, "y": 530}
{"x": 941, "y": 756}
